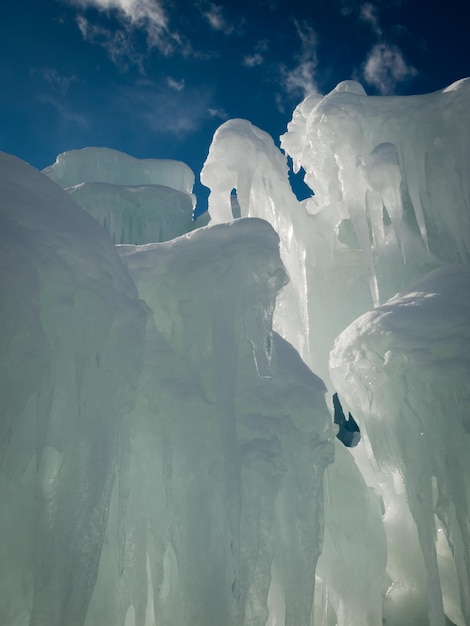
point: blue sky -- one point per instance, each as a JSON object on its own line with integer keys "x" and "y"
{"x": 155, "y": 78}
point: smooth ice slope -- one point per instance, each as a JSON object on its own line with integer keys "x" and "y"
{"x": 404, "y": 369}
{"x": 136, "y": 200}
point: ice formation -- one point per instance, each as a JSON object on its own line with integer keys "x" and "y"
{"x": 162, "y": 449}
{"x": 241, "y": 426}
{"x": 166, "y": 451}
{"x": 405, "y": 367}
{"x": 391, "y": 200}
{"x": 72, "y": 337}
{"x": 136, "y": 200}
{"x": 391, "y": 203}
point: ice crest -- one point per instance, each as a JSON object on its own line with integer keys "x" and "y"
{"x": 136, "y": 200}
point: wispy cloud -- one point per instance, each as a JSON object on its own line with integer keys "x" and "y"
{"x": 355, "y": 7}
{"x": 300, "y": 80}
{"x": 135, "y": 10}
{"x": 117, "y": 43}
{"x": 177, "y": 85}
{"x": 257, "y": 57}
{"x": 252, "y": 60}
{"x": 65, "y": 114}
{"x": 216, "y": 112}
{"x": 147, "y": 16}
{"x": 217, "y": 19}
{"x": 57, "y": 82}
{"x": 368, "y": 13}
{"x": 385, "y": 67}
{"x": 52, "y": 91}
{"x": 167, "y": 111}
{"x": 347, "y": 7}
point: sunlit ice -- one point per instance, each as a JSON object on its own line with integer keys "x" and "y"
{"x": 168, "y": 450}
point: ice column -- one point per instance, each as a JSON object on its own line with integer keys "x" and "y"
{"x": 241, "y": 432}
{"x": 71, "y": 339}
{"x": 244, "y": 158}
{"x": 404, "y": 370}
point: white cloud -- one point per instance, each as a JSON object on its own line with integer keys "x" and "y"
{"x": 385, "y": 67}
{"x": 257, "y": 58}
{"x": 146, "y": 15}
{"x": 301, "y": 79}
{"x": 166, "y": 111}
{"x": 177, "y": 85}
{"x": 117, "y": 43}
{"x": 136, "y": 11}
{"x": 57, "y": 82}
{"x": 217, "y": 20}
{"x": 214, "y": 112}
{"x": 252, "y": 60}
{"x": 368, "y": 13}
{"x": 66, "y": 114}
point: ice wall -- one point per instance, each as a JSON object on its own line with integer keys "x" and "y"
{"x": 389, "y": 165}
{"x": 391, "y": 200}
{"x": 71, "y": 338}
{"x": 104, "y": 165}
{"x": 244, "y": 158}
{"x": 390, "y": 204}
{"x": 235, "y": 438}
{"x": 136, "y": 200}
{"x": 404, "y": 370}
{"x": 162, "y": 450}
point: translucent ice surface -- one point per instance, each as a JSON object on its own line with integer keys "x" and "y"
{"x": 71, "y": 340}
{"x": 136, "y": 200}
{"x": 391, "y": 200}
{"x": 390, "y": 203}
{"x": 162, "y": 450}
{"x": 92, "y": 165}
{"x": 404, "y": 370}
{"x": 234, "y": 435}
{"x": 167, "y": 455}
